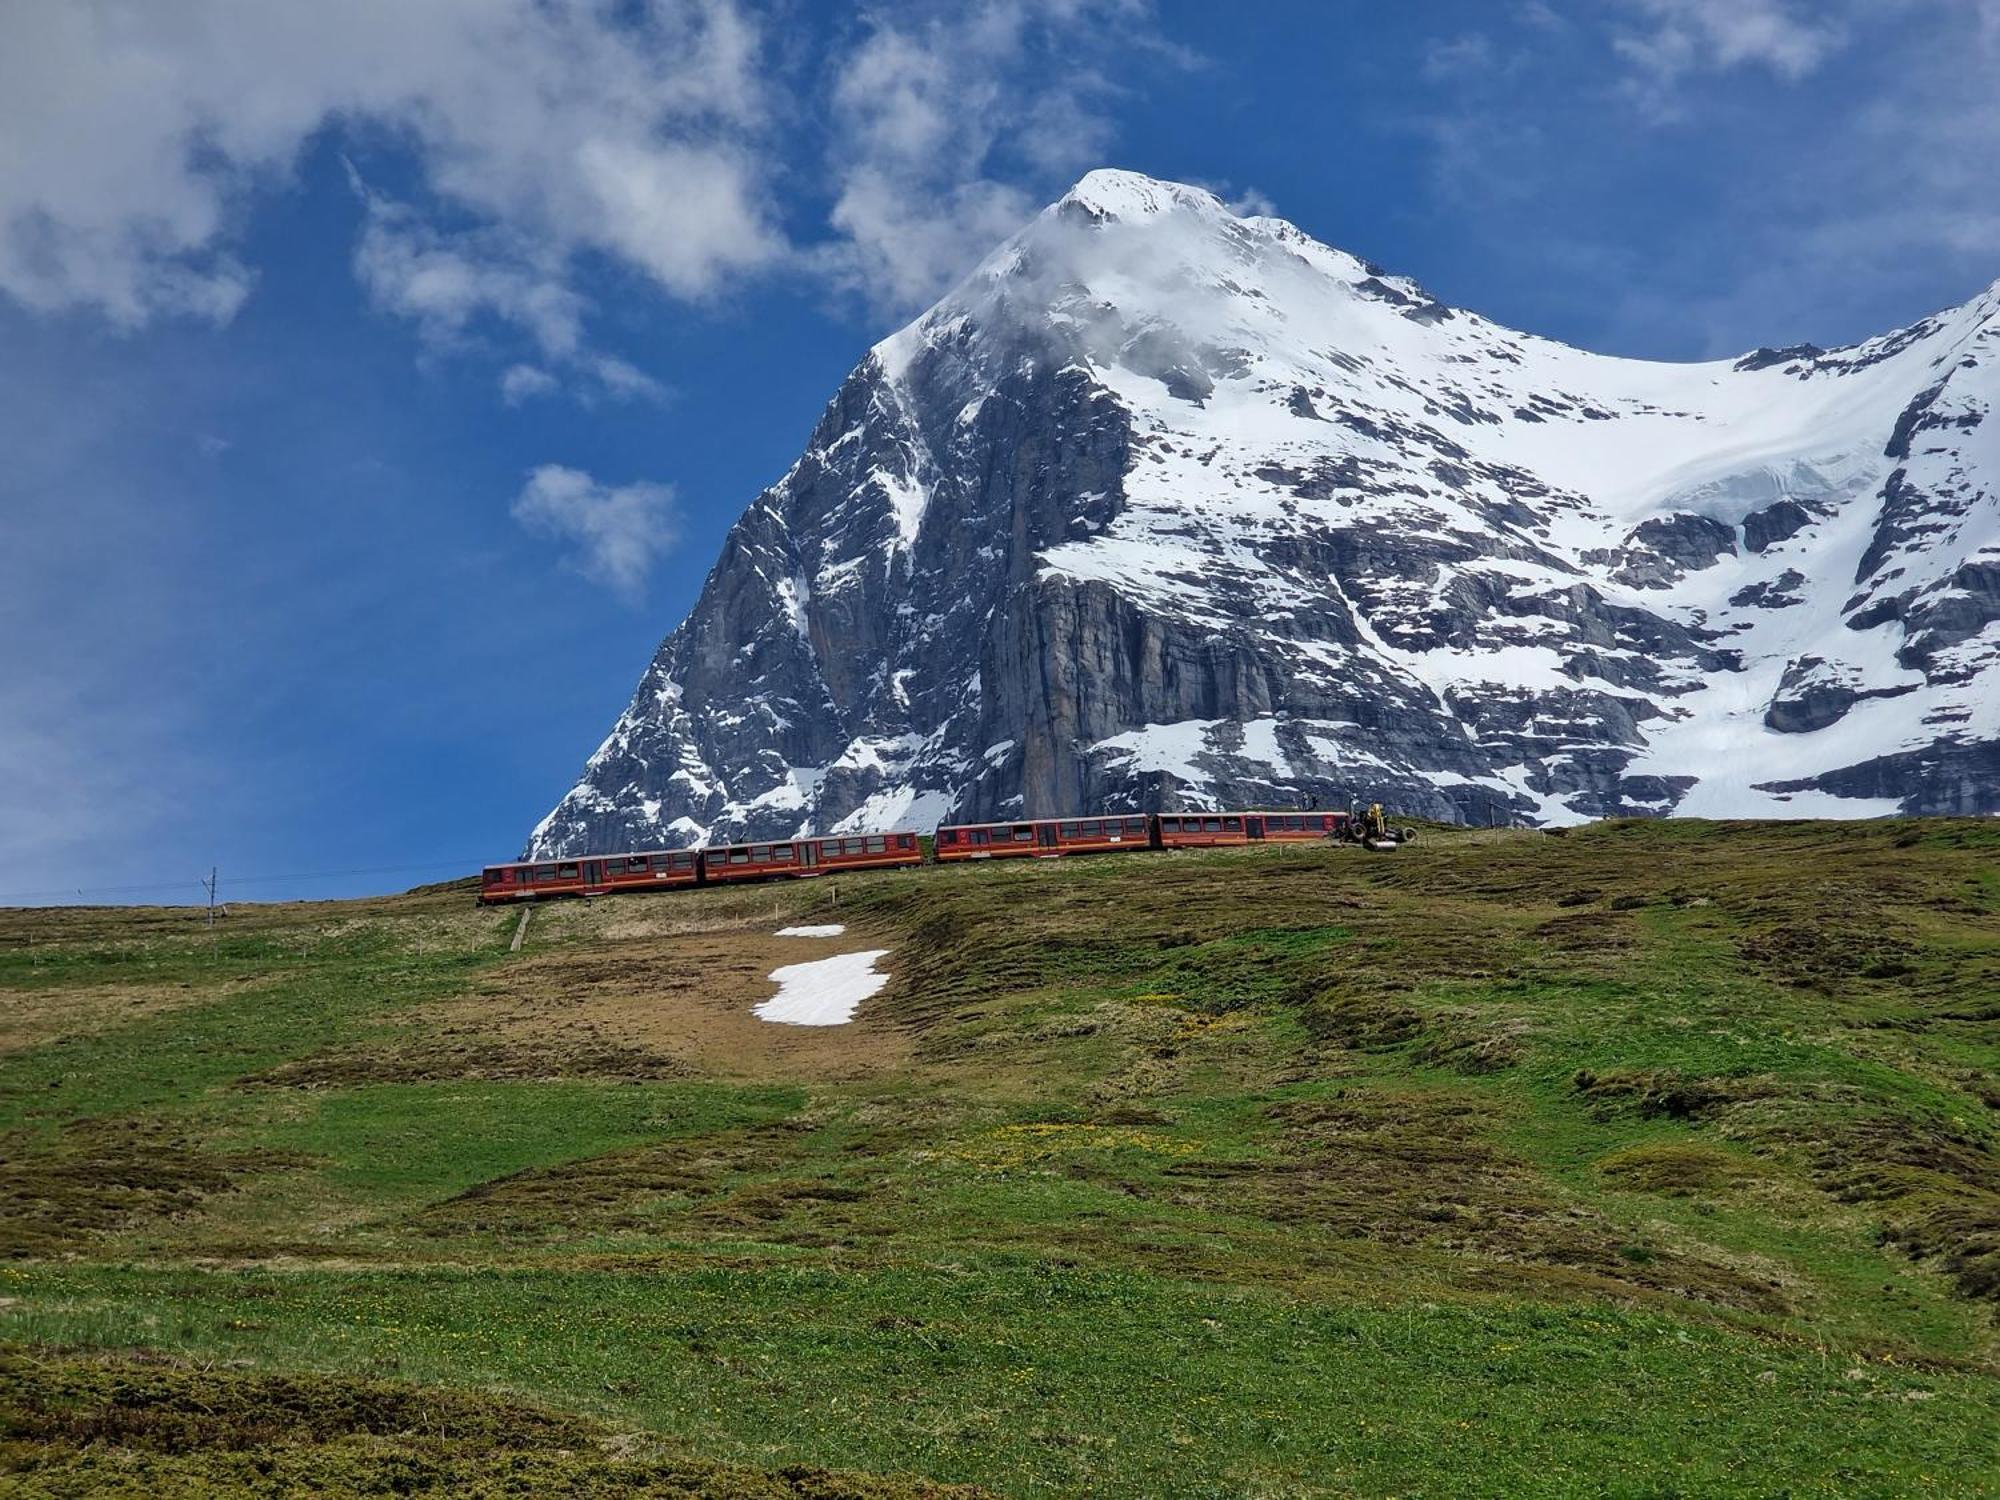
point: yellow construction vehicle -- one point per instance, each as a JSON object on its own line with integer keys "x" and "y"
{"x": 1371, "y": 829}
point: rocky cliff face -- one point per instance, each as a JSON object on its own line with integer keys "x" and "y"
{"x": 1165, "y": 507}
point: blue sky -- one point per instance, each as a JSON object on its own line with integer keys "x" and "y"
{"x": 377, "y": 380}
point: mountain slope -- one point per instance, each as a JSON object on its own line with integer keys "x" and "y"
{"x": 1168, "y": 507}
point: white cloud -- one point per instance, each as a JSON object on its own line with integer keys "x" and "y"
{"x": 625, "y": 381}
{"x": 136, "y": 140}
{"x": 929, "y": 102}
{"x": 132, "y": 136}
{"x": 1820, "y": 206}
{"x": 905, "y": 246}
{"x": 1677, "y": 36}
{"x": 1471, "y": 54}
{"x": 525, "y": 382}
{"x": 444, "y": 281}
{"x": 615, "y": 532}
{"x": 1251, "y": 202}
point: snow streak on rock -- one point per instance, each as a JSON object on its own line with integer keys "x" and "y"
{"x": 1165, "y": 507}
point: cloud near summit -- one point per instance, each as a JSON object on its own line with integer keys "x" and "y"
{"x": 138, "y": 140}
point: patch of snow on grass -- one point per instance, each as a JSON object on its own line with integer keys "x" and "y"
{"x": 825, "y": 992}
{"x": 825, "y": 929}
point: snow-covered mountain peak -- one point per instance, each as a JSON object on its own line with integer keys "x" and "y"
{"x": 1164, "y": 506}
{"x": 1110, "y": 193}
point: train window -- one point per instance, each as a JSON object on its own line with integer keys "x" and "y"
{"x": 1068, "y": 830}
{"x": 1211, "y": 825}
{"x": 1024, "y": 834}
{"x": 782, "y": 853}
{"x": 947, "y": 836}
{"x": 906, "y": 841}
{"x": 739, "y": 856}
{"x": 1090, "y": 828}
{"x": 1234, "y": 825}
{"x": 981, "y": 836}
{"x": 1135, "y": 825}
{"x": 878, "y": 846}
{"x": 565, "y": 872}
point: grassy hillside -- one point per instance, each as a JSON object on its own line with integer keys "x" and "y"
{"x": 1658, "y": 1159}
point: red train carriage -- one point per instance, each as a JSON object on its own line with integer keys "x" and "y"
{"x": 1043, "y": 837}
{"x": 769, "y": 861}
{"x": 1201, "y": 830}
{"x": 870, "y": 851}
{"x": 1295, "y": 827}
{"x": 594, "y": 875}
{"x": 1206, "y": 830}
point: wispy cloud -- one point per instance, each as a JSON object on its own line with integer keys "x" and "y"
{"x": 613, "y": 533}
{"x": 1830, "y": 155}
{"x": 1668, "y": 38}
{"x": 137, "y": 137}
{"x": 932, "y": 102}
{"x": 650, "y": 135}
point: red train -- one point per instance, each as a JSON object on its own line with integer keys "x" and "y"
{"x": 1045, "y": 837}
{"x": 601, "y": 875}
{"x": 1034, "y": 838}
{"x": 859, "y": 851}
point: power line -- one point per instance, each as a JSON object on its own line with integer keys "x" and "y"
{"x": 200, "y": 883}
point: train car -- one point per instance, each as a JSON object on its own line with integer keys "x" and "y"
{"x": 1043, "y": 838}
{"x": 593, "y": 875}
{"x": 1293, "y": 828}
{"x": 724, "y": 863}
{"x": 870, "y": 851}
{"x": 1198, "y": 830}
{"x": 1206, "y": 830}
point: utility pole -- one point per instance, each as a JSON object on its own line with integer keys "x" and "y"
{"x": 209, "y": 884}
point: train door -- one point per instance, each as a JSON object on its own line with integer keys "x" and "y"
{"x": 1254, "y": 827}
{"x": 593, "y": 876}
{"x": 1045, "y": 835}
{"x": 808, "y": 854}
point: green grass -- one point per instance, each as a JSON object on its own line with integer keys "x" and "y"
{"x": 1652, "y": 1160}
{"x": 1053, "y": 1379}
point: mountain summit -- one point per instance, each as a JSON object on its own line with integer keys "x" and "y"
{"x": 1168, "y": 507}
